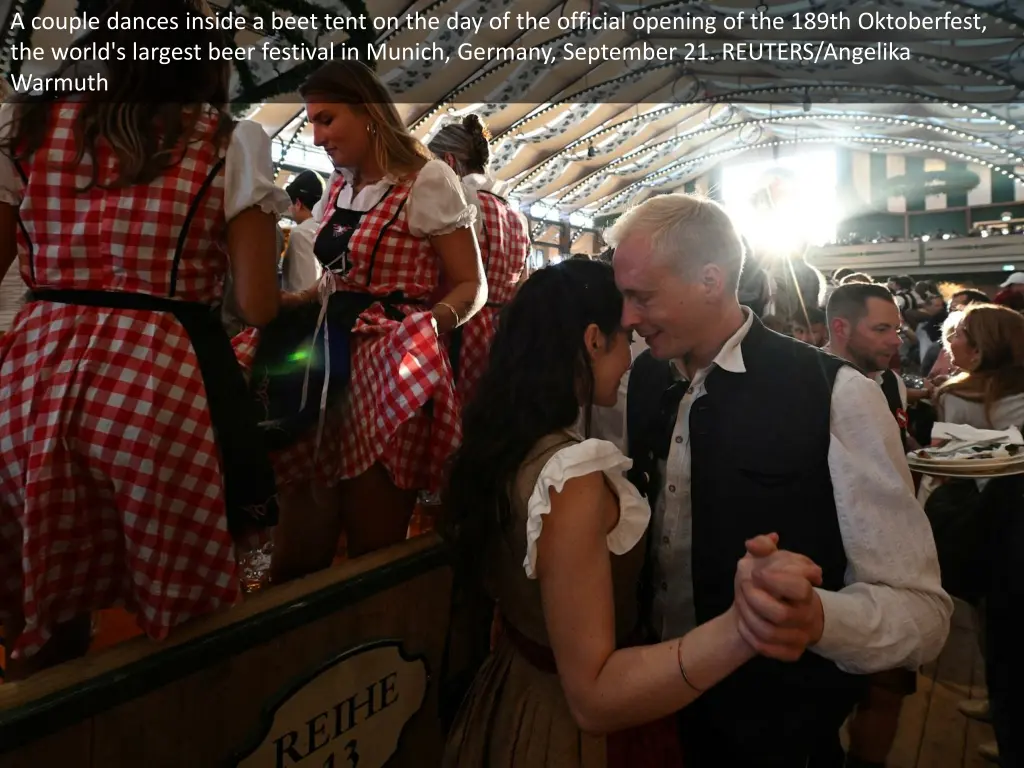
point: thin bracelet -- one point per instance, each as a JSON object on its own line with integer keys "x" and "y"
{"x": 450, "y": 309}
{"x": 682, "y": 671}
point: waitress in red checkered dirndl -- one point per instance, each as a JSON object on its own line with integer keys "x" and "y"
{"x": 395, "y": 232}
{"x": 120, "y": 466}
{"x": 504, "y": 243}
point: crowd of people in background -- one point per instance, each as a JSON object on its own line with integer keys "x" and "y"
{"x": 951, "y": 353}
{"x": 1007, "y": 227}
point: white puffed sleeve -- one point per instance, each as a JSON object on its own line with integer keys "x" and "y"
{"x": 577, "y": 460}
{"x": 437, "y": 202}
{"x": 249, "y": 173}
{"x": 12, "y": 189}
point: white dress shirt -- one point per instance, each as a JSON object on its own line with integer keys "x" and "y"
{"x": 301, "y": 268}
{"x": 893, "y": 611}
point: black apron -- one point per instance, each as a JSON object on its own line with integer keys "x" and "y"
{"x": 295, "y": 355}
{"x": 891, "y": 390}
{"x": 250, "y": 489}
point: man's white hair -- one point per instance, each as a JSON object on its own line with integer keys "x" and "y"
{"x": 687, "y": 231}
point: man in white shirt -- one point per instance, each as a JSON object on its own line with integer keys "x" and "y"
{"x": 736, "y": 431}
{"x": 301, "y": 268}
{"x": 864, "y": 329}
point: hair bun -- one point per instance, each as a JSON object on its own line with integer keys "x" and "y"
{"x": 475, "y": 125}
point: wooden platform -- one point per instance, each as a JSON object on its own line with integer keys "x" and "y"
{"x": 933, "y": 733}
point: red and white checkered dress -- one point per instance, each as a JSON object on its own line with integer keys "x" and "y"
{"x": 398, "y": 368}
{"x": 505, "y": 247}
{"x": 110, "y": 481}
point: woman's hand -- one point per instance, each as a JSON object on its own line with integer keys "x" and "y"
{"x": 292, "y": 299}
{"x": 779, "y": 613}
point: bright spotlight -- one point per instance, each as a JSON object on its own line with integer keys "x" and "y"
{"x": 785, "y": 204}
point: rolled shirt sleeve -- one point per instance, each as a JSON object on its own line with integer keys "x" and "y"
{"x": 893, "y": 611}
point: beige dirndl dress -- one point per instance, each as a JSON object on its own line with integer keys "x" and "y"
{"x": 516, "y": 714}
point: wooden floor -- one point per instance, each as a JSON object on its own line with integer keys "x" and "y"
{"x": 933, "y": 733}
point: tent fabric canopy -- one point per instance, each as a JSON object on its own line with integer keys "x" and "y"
{"x": 592, "y": 137}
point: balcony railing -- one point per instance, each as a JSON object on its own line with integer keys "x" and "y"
{"x": 934, "y": 257}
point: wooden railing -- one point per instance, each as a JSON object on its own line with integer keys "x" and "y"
{"x": 998, "y": 253}
{"x": 222, "y": 685}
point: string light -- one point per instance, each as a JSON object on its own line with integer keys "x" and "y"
{"x": 452, "y": 95}
{"x": 839, "y": 117}
{"x": 904, "y": 143}
{"x": 767, "y": 90}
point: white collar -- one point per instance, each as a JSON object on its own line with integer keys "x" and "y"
{"x": 479, "y": 182}
{"x": 349, "y": 175}
{"x": 730, "y": 356}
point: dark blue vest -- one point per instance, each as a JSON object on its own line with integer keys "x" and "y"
{"x": 759, "y": 459}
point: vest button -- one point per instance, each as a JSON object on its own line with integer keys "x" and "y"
{"x": 679, "y": 439}
{"x": 671, "y": 489}
{"x": 664, "y": 539}
{"x": 664, "y": 585}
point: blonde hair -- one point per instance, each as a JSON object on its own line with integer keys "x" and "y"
{"x": 688, "y": 231}
{"x": 352, "y": 83}
{"x": 998, "y": 334}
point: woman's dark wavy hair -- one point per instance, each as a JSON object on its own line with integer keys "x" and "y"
{"x": 150, "y": 112}
{"x": 538, "y": 378}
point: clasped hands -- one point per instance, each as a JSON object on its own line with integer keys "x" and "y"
{"x": 778, "y": 613}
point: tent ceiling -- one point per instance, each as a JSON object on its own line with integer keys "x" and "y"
{"x": 592, "y": 138}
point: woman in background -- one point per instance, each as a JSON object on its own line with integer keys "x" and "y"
{"x": 504, "y": 241}
{"x": 127, "y": 456}
{"x": 402, "y": 271}
{"x": 986, "y": 343}
{"x": 941, "y": 367}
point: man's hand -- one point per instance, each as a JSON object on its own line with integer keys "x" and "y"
{"x": 780, "y": 613}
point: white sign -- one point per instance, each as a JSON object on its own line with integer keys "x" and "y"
{"x": 350, "y": 714}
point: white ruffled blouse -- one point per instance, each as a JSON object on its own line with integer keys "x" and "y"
{"x": 436, "y": 206}
{"x": 577, "y": 460}
{"x": 248, "y": 171}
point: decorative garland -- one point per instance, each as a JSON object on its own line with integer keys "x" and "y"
{"x": 948, "y": 182}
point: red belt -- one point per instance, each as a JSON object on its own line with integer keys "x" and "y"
{"x": 538, "y": 655}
